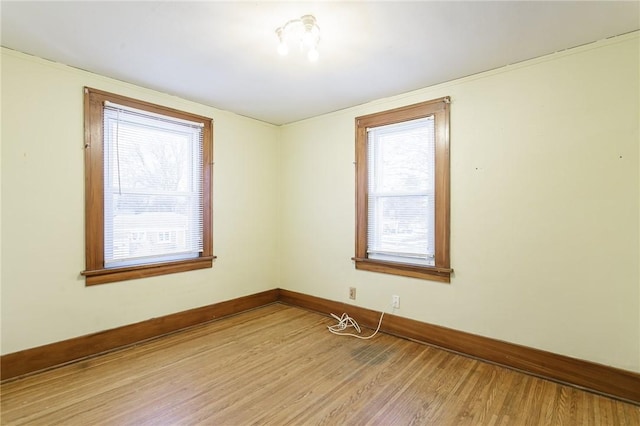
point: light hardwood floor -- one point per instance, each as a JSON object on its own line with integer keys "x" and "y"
{"x": 279, "y": 365}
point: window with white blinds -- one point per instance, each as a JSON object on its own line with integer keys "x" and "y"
{"x": 401, "y": 168}
{"x": 402, "y": 191}
{"x": 148, "y": 189}
{"x": 153, "y": 188}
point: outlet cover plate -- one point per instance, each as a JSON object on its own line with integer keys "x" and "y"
{"x": 352, "y": 293}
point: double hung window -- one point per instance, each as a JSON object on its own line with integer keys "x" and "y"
{"x": 148, "y": 195}
{"x": 403, "y": 191}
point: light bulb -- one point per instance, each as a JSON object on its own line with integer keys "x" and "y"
{"x": 313, "y": 55}
{"x": 308, "y": 39}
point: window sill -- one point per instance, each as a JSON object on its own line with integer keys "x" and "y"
{"x": 104, "y": 276}
{"x": 414, "y": 271}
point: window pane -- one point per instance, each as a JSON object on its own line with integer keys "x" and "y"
{"x": 401, "y": 187}
{"x": 149, "y": 158}
{"x": 402, "y": 156}
{"x": 401, "y": 225}
{"x": 153, "y": 189}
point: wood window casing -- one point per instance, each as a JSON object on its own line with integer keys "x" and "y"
{"x": 95, "y": 272}
{"x": 439, "y": 109}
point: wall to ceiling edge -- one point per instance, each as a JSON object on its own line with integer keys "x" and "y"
{"x": 545, "y": 190}
{"x": 44, "y": 298}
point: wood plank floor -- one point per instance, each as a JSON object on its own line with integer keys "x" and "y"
{"x": 279, "y": 365}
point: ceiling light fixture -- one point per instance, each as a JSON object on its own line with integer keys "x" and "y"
{"x": 303, "y": 31}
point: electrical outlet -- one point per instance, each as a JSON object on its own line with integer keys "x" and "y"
{"x": 352, "y": 293}
{"x": 395, "y": 301}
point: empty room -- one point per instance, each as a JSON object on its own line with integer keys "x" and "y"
{"x": 339, "y": 213}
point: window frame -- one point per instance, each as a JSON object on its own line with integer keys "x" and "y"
{"x": 95, "y": 272}
{"x": 439, "y": 109}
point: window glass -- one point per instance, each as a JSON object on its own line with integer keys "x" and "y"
{"x": 153, "y": 183}
{"x": 401, "y": 192}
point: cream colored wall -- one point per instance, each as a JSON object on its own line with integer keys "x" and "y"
{"x": 44, "y": 299}
{"x": 545, "y": 216}
{"x": 544, "y": 206}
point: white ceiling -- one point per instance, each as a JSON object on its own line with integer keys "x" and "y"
{"x": 223, "y": 54}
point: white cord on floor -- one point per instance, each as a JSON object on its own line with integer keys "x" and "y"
{"x": 345, "y": 321}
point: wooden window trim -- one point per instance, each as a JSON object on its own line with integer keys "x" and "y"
{"x": 439, "y": 108}
{"x": 95, "y": 272}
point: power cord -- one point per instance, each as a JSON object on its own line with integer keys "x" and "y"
{"x": 345, "y": 321}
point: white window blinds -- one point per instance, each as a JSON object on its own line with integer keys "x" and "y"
{"x": 153, "y": 200}
{"x": 401, "y": 209}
